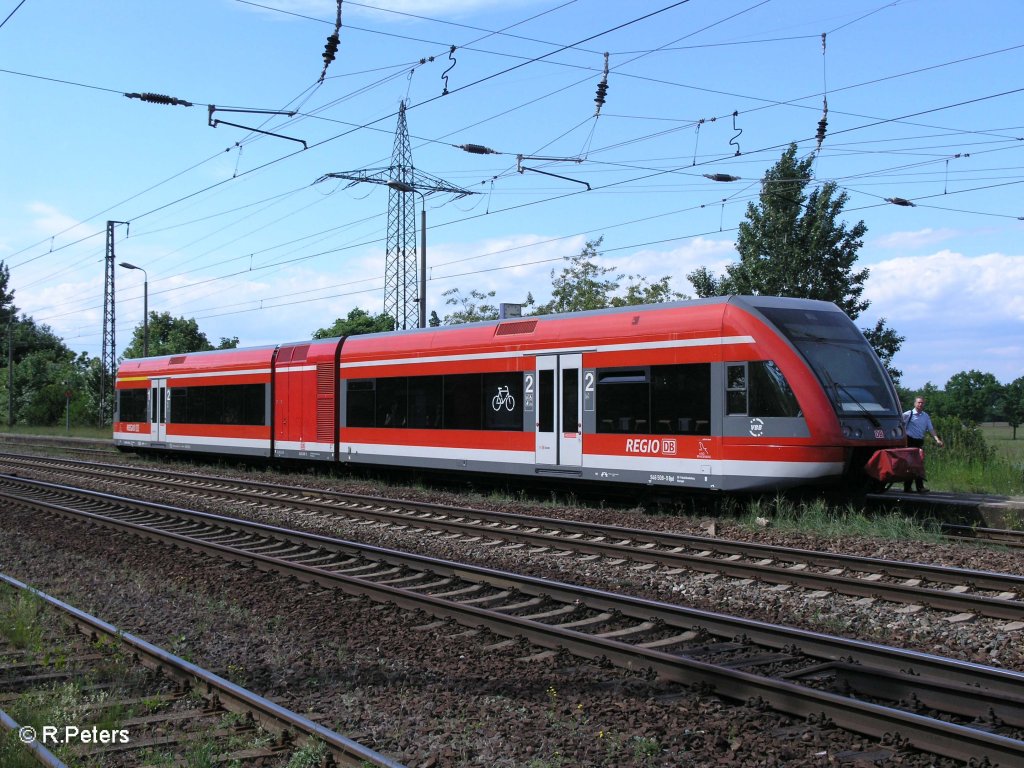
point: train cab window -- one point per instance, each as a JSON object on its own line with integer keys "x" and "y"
{"x": 770, "y": 393}
{"x": 736, "y": 388}
{"x": 759, "y": 388}
{"x": 360, "y": 397}
{"x": 503, "y": 401}
{"x": 131, "y": 404}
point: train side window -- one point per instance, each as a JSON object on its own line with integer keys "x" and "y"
{"x": 736, "y": 389}
{"x": 681, "y": 399}
{"x": 425, "y": 401}
{"x": 391, "y": 402}
{"x": 462, "y": 400}
{"x": 179, "y": 406}
{"x": 623, "y": 400}
{"x": 253, "y": 399}
{"x": 239, "y": 404}
{"x": 503, "y": 401}
{"x": 131, "y": 404}
{"x": 360, "y": 397}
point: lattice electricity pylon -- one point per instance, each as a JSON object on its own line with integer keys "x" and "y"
{"x": 401, "y": 270}
{"x": 400, "y": 277}
{"x": 108, "y": 353}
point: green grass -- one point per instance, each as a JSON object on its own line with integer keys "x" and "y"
{"x": 818, "y": 517}
{"x": 93, "y": 433}
{"x": 19, "y": 620}
{"x": 1000, "y": 437}
{"x": 1000, "y": 473}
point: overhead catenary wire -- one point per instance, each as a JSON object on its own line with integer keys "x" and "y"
{"x": 830, "y": 144}
{"x": 915, "y": 71}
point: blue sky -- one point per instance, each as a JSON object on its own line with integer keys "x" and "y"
{"x": 925, "y": 102}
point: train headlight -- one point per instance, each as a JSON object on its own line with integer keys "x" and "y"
{"x": 846, "y": 430}
{"x": 858, "y": 433}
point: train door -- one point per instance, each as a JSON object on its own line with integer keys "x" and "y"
{"x": 158, "y": 410}
{"x": 560, "y": 411}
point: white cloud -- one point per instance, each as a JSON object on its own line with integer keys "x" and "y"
{"x": 957, "y": 313}
{"x": 907, "y": 241}
{"x": 979, "y": 289}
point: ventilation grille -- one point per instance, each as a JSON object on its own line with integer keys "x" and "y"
{"x": 324, "y": 402}
{"x": 176, "y": 360}
{"x": 515, "y": 327}
{"x": 292, "y": 354}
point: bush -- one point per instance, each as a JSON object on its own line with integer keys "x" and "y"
{"x": 963, "y": 442}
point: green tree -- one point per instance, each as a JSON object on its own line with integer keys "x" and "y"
{"x": 886, "y": 343}
{"x": 475, "y": 307}
{"x": 471, "y": 308}
{"x": 1013, "y": 403}
{"x": 582, "y": 284}
{"x": 642, "y": 291}
{"x": 793, "y": 243}
{"x": 45, "y": 371}
{"x": 972, "y": 395}
{"x": 7, "y": 309}
{"x": 357, "y": 322}
{"x": 172, "y": 336}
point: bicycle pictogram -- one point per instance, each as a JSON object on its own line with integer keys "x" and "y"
{"x": 503, "y": 398}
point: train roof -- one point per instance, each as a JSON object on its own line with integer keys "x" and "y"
{"x": 193, "y": 362}
{"x": 699, "y": 318}
{"x": 706, "y": 314}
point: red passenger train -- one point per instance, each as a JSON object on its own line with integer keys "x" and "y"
{"x": 727, "y": 394}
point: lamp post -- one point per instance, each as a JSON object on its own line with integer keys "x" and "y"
{"x": 401, "y": 186}
{"x": 145, "y": 306}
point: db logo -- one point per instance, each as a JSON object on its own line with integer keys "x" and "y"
{"x": 651, "y": 447}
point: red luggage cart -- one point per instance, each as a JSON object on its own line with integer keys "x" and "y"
{"x": 894, "y": 465}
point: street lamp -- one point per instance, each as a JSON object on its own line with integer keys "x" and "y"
{"x": 145, "y": 306}
{"x": 401, "y": 186}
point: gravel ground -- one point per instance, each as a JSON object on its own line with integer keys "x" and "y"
{"x": 440, "y": 696}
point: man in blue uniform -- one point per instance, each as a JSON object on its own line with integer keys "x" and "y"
{"x": 917, "y": 424}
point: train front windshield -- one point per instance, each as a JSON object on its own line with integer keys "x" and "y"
{"x": 841, "y": 357}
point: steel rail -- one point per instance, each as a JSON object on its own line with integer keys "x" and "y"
{"x": 1005, "y": 536}
{"x": 270, "y": 716}
{"x": 928, "y": 734}
{"x": 777, "y": 636}
{"x": 42, "y": 755}
{"x": 636, "y": 545}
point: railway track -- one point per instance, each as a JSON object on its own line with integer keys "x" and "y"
{"x": 1003, "y": 536}
{"x": 149, "y": 704}
{"x": 958, "y": 590}
{"x": 951, "y": 708}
